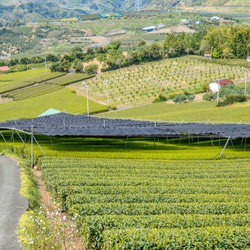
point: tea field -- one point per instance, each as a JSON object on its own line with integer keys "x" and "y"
{"x": 62, "y": 99}
{"x": 198, "y": 111}
{"x": 147, "y": 193}
{"x": 145, "y": 204}
{"x": 13, "y": 81}
{"x": 45, "y": 84}
{"x": 143, "y": 83}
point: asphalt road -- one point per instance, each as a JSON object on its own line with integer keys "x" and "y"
{"x": 12, "y": 204}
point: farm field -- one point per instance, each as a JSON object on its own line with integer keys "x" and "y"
{"x": 68, "y": 79}
{"x": 132, "y": 25}
{"x": 45, "y": 86}
{"x": 147, "y": 188}
{"x": 31, "y": 91}
{"x": 200, "y": 112}
{"x": 13, "y": 81}
{"x": 143, "y": 83}
{"x": 130, "y": 204}
{"x": 62, "y": 99}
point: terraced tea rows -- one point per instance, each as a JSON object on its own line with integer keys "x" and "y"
{"x": 68, "y": 79}
{"x": 15, "y": 81}
{"x": 45, "y": 84}
{"x": 32, "y": 91}
{"x": 131, "y": 204}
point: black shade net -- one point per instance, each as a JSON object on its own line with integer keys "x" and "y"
{"x": 83, "y": 126}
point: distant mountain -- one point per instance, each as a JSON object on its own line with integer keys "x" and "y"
{"x": 39, "y": 9}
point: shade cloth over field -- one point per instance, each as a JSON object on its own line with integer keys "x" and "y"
{"x": 81, "y": 125}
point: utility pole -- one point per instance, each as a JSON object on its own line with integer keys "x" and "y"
{"x": 218, "y": 93}
{"x": 243, "y": 68}
{"x": 211, "y": 53}
{"x": 87, "y": 89}
{"x": 45, "y": 65}
{"x": 107, "y": 83}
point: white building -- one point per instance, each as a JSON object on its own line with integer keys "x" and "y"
{"x": 216, "y": 85}
{"x": 215, "y": 18}
{"x": 150, "y": 28}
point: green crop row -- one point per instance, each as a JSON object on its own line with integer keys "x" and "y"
{"x": 68, "y": 79}
{"x": 192, "y": 238}
{"x": 32, "y": 91}
{"x": 92, "y": 227}
{"x": 148, "y": 197}
{"x": 159, "y": 208}
{"x": 46, "y": 77}
{"x": 18, "y": 80}
{"x": 140, "y": 204}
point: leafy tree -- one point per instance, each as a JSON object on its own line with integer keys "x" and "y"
{"x": 77, "y": 53}
{"x": 13, "y": 62}
{"x": 154, "y": 51}
{"x": 229, "y": 41}
{"x": 227, "y": 53}
{"x": 90, "y": 51}
{"x": 92, "y": 69}
{"x": 115, "y": 44}
{"x": 141, "y": 43}
{"x": 101, "y": 57}
{"x": 216, "y": 53}
{"x": 76, "y": 49}
{"x": 24, "y": 60}
{"x": 52, "y": 58}
{"x": 133, "y": 57}
{"x": 78, "y": 67}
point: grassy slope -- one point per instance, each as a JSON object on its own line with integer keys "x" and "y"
{"x": 202, "y": 111}
{"x": 63, "y": 100}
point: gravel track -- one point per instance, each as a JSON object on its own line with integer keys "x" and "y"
{"x": 12, "y": 204}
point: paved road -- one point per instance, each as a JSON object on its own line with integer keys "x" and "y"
{"x": 12, "y": 204}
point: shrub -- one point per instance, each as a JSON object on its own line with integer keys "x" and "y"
{"x": 209, "y": 96}
{"x": 231, "y": 99}
{"x": 179, "y": 98}
{"x": 205, "y": 87}
{"x": 92, "y": 69}
{"x": 160, "y": 98}
{"x": 172, "y": 95}
{"x": 241, "y": 98}
{"x": 190, "y": 97}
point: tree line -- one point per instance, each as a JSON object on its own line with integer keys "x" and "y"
{"x": 225, "y": 42}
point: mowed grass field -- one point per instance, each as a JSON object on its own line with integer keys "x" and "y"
{"x": 63, "y": 100}
{"x": 200, "y": 112}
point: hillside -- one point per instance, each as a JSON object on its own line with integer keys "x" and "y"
{"x": 25, "y": 9}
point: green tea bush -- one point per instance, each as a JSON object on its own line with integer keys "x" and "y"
{"x": 126, "y": 204}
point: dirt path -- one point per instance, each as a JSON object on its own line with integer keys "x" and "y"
{"x": 12, "y": 204}
{"x": 69, "y": 235}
